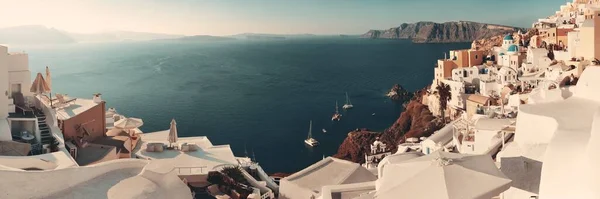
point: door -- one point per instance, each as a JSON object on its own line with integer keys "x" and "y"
{"x": 14, "y": 88}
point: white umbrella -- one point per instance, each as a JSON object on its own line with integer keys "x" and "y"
{"x": 48, "y": 78}
{"x": 129, "y": 123}
{"x": 173, "y": 132}
{"x": 443, "y": 175}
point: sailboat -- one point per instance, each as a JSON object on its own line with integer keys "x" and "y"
{"x": 337, "y": 116}
{"x": 348, "y": 104}
{"x": 310, "y": 140}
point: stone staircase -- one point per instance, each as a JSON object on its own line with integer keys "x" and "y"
{"x": 45, "y": 133}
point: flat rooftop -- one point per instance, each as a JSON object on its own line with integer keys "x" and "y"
{"x": 93, "y": 153}
{"x": 206, "y": 158}
{"x": 74, "y": 108}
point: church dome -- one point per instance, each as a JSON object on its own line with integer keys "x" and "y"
{"x": 508, "y": 37}
{"x": 513, "y": 48}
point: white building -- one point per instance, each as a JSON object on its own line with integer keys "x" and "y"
{"x": 14, "y": 71}
{"x": 459, "y": 97}
{"x": 486, "y": 136}
{"x": 507, "y": 75}
{"x": 439, "y": 140}
{"x": 378, "y": 151}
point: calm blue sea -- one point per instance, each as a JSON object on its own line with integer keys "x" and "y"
{"x": 258, "y": 94}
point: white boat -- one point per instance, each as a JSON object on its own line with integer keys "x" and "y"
{"x": 336, "y": 116}
{"x": 373, "y": 114}
{"x": 324, "y": 131}
{"x": 348, "y": 104}
{"x": 310, "y": 140}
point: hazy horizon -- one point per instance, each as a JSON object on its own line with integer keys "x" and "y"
{"x": 222, "y": 18}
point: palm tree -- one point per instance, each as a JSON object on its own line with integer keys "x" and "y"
{"x": 444, "y": 95}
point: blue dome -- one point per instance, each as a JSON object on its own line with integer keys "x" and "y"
{"x": 513, "y": 48}
{"x": 508, "y": 37}
{"x": 501, "y": 54}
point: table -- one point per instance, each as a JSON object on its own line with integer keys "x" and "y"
{"x": 27, "y": 136}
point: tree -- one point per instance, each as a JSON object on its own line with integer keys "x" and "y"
{"x": 234, "y": 173}
{"x": 551, "y": 53}
{"x": 445, "y": 95}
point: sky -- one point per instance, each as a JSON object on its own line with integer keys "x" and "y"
{"x": 228, "y": 17}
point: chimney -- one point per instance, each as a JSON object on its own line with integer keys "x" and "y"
{"x": 97, "y": 98}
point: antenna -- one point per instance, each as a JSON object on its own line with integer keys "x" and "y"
{"x": 245, "y": 150}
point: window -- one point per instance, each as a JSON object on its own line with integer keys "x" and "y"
{"x": 471, "y": 72}
{"x": 553, "y": 34}
{"x": 475, "y": 56}
{"x": 505, "y": 78}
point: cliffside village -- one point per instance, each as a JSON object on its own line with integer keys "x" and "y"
{"x": 523, "y": 121}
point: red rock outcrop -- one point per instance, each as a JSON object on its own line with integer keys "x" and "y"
{"x": 356, "y": 145}
{"x": 415, "y": 121}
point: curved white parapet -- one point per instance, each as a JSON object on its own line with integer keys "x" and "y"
{"x": 264, "y": 177}
{"x": 150, "y": 184}
{"x": 69, "y": 182}
{"x": 592, "y": 154}
{"x": 528, "y": 134}
{"x": 588, "y": 84}
{"x": 568, "y": 171}
{"x": 47, "y": 161}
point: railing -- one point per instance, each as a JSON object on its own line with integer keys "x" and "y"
{"x": 191, "y": 170}
{"x": 267, "y": 195}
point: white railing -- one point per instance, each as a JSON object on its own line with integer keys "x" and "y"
{"x": 51, "y": 120}
{"x": 191, "y": 170}
{"x": 267, "y": 195}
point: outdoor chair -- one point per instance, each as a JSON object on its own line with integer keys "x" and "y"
{"x": 19, "y": 101}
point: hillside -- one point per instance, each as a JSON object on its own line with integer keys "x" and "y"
{"x": 116, "y": 36}
{"x": 448, "y": 32}
{"x": 33, "y": 35}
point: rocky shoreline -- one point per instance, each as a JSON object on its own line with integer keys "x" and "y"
{"x": 415, "y": 121}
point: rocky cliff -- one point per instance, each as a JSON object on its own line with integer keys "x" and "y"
{"x": 448, "y": 32}
{"x": 415, "y": 121}
{"x": 487, "y": 44}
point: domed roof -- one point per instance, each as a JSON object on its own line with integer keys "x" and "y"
{"x": 501, "y": 54}
{"x": 508, "y": 37}
{"x": 513, "y": 48}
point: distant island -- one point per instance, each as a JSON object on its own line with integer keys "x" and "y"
{"x": 448, "y": 32}
{"x": 37, "y": 34}
{"x": 34, "y": 35}
{"x": 202, "y": 38}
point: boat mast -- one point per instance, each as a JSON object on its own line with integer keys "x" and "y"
{"x": 336, "y": 108}
{"x": 347, "y": 99}
{"x": 245, "y": 150}
{"x": 310, "y": 130}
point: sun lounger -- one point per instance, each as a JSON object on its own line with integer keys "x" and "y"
{"x": 187, "y": 147}
{"x": 154, "y": 147}
{"x": 62, "y": 102}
